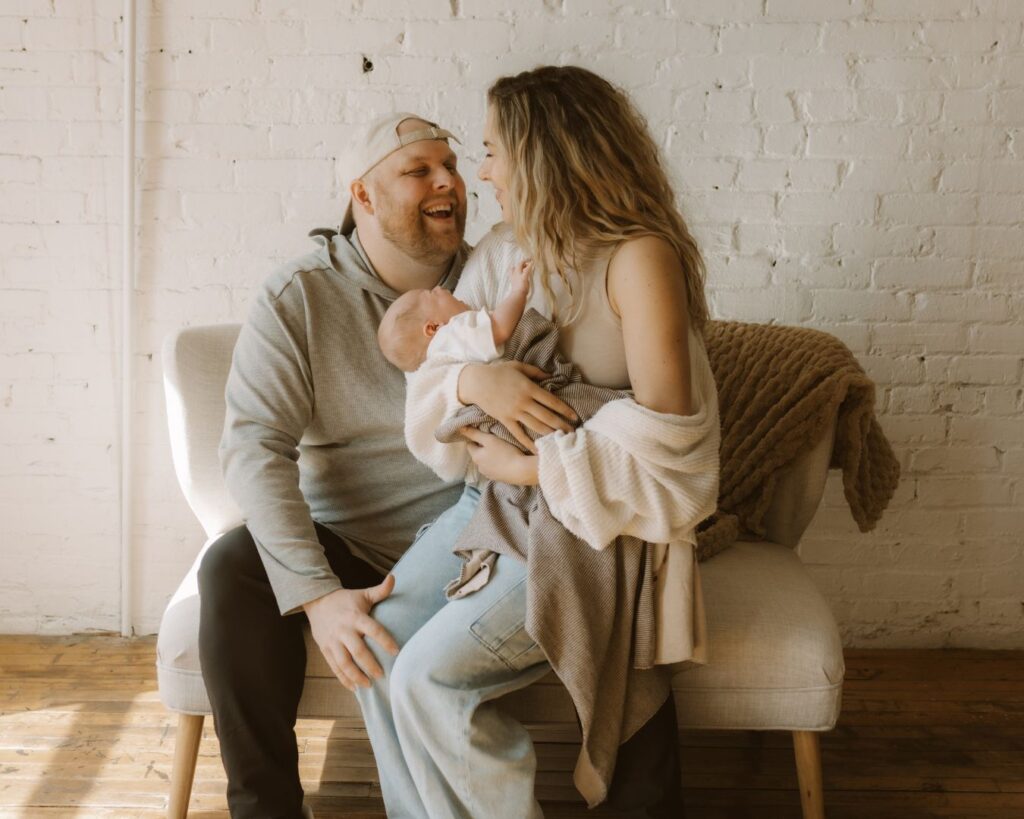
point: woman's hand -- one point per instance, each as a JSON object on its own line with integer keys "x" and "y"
{"x": 498, "y": 460}
{"x": 508, "y": 392}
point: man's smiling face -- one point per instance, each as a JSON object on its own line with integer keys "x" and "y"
{"x": 419, "y": 198}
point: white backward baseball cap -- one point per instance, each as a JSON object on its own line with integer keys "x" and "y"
{"x": 377, "y": 141}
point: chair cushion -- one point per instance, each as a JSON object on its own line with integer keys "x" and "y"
{"x": 775, "y": 656}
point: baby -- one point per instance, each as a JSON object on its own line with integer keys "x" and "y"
{"x": 434, "y": 323}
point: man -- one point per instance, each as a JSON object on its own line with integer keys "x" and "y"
{"x": 313, "y": 452}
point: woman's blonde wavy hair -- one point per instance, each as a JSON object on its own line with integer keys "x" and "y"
{"x": 584, "y": 174}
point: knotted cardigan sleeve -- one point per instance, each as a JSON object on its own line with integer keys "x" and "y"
{"x": 632, "y": 471}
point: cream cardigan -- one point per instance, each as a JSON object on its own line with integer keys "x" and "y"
{"x": 598, "y": 480}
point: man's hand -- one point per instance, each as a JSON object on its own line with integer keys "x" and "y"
{"x": 508, "y": 392}
{"x": 340, "y": 622}
{"x": 498, "y": 460}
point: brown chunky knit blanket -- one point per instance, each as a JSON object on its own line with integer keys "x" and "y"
{"x": 778, "y": 388}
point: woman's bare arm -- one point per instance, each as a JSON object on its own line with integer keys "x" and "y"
{"x": 647, "y": 290}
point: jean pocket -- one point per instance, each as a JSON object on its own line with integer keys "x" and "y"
{"x": 502, "y": 630}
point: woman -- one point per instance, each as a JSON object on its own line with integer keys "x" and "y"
{"x": 583, "y": 194}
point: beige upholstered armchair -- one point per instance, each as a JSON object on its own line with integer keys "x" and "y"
{"x": 776, "y": 660}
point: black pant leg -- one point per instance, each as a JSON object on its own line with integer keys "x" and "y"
{"x": 354, "y": 572}
{"x": 646, "y": 783}
{"x": 254, "y": 662}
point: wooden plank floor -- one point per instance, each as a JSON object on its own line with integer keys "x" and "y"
{"x": 922, "y": 734}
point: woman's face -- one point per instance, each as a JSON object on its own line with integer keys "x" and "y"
{"x": 495, "y": 167}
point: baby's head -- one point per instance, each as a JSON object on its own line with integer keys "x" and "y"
{"x": 411, "y": 322}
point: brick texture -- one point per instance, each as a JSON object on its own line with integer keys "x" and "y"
{"x": 852, "y": 165}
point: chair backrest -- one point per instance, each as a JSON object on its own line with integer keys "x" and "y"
{"x": 196, "y": 365}
{"x": 747, "y": 359}
{"x": 798, "y": 491}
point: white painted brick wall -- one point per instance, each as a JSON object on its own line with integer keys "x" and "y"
{"x": 852, "y": 165}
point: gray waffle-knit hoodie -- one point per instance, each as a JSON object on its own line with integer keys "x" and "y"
{"x": 314, "y": 424}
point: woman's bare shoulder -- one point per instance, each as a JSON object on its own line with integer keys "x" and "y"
{"x": 644, "y": 265}
{"x": 648, "y": 252}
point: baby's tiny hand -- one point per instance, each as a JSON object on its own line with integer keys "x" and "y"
{"x": 522, "y": 276}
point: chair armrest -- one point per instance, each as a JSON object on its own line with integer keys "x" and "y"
{"x": 798, "y": 491}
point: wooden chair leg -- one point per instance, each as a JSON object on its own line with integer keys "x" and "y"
{"x": 186, "y": 750}
{"x": 808, "y": 772}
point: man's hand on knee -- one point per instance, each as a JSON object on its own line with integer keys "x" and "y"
{"x": 340, "y": 622}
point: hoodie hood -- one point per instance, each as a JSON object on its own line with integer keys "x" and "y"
{"x": 344, "y": 254}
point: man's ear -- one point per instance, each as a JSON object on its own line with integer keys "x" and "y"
{"x": 361, "y": 195}
{"x": 430, "y": 329}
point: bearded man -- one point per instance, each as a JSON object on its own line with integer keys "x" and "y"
{"x": 314, "y": 456}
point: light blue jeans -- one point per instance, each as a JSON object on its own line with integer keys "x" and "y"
{"x": 443, "y": 748}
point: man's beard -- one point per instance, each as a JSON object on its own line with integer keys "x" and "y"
{"x": 408, "y": 230}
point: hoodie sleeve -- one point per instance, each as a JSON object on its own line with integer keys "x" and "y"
{"x": 269, "y": 397}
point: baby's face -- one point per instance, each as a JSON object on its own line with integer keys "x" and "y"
{"x": 440, "y": 306}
